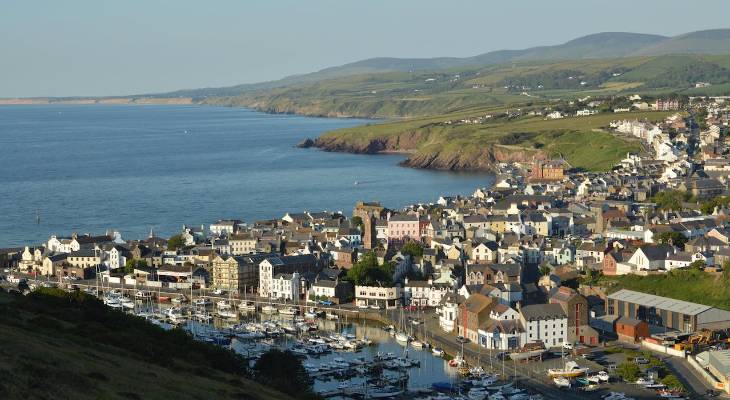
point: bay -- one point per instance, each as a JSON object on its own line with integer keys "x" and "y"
{"x": 132, "y": 168}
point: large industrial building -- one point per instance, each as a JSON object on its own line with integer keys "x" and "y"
{"x": 664, "y": 312}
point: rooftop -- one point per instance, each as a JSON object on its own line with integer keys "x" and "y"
{"x": 664, "y": 303}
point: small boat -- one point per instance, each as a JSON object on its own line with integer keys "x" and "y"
{"x": 562, "y": 382}
{"x": 332, "y": 316}
{"x": 570, "y": 370}
{"x": 383, "y": 392}
{"x": 289, "y": 311}
{"x": 163, "y": 299}
{"x": 603, "y": 376}
{"x": 127, "y": 303}
{"x": 444, "y": 386}
{"x": 402, "y": 338}
{"x": 457, "y": 361}
{"x": 143, "y": 294}
{"x": 528, "y": 351}
{"x": 437, "y": 351}
{"x": 269, "y": 309}
{"x": 669, "y": 394}
{"x": 476, "y": 371}
{"x": 417, "y": 344}
{"x": 583, "y": 381}
{"x": 591, "y": 388}
{"x": 202, "y": 302}
{"x": 594, "y": 379}
{"x": 223, "y": 304}
{"x": 247, "y": 306}
{"x": 643, "y": 381}
{"x": 227, "y": 313}
{"x": 477, "y": 394}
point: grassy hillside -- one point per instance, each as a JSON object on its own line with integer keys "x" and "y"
{"x": 582, "y": 141}
{"x": 71, "y": 347}
{"x": 707, "y": 288}
{"x": 600, "y": 45}
{"x": 425, "y": 93}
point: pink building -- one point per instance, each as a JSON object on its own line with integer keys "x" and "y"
{"x": 404, "y": 226}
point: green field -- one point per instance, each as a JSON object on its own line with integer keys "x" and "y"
{"x": 706, "y": 288}
{"x": 432, "y": 92}
{"x": 583, "y": 141}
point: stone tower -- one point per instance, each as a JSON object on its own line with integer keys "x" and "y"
{"x": 369, "y": 235}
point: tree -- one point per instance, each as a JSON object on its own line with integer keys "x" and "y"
{"x": 545, "y": 270}
{"x": 698, "y": 265}
{"x": 673, "y": 382}
{"x": 131, "y": 264}
{"x": 674, "y": 238}
{"x": 412, "y": 249}
{"x": 368, "y": 272}
{"x": 708, "y": 207}
{"x": 358, "y": 222}
{"x": 628, "y": 371}
{"x": 670, "y": 199}
{"x": 175, "y": 242}
{"x": 284, "y": 371}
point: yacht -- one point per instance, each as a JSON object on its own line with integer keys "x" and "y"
{"x": 402, "y": 338}
{"x": 127, "y": 303}
{"x": 175, "y": 315}
{"x": 223, "y": 305}
{"x": 289, "y": 311}
{"x": 529, "y": 351}
{"x": 247, "y": 306}
{"x": 571, "y": 369}
{"x": 438, "y": 352}
{"x": 269, "y": 309}
{"x": 227, "y": 313}
{"x": 202, "y": 302}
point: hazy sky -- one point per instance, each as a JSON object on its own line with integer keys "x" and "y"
{"x": 105, "y": 47}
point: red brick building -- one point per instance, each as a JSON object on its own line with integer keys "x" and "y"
{"x": 631, "y": 330}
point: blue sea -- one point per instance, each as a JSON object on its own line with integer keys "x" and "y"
{"x": 132, "y": 168}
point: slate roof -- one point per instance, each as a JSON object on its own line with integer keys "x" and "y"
{"x": 542, "y": 311}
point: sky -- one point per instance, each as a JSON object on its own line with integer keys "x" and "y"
{"x": 111, "y": 47}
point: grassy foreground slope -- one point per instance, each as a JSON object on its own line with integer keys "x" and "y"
{"x": 582, "y": 141}
{"x": 66, "y": 347}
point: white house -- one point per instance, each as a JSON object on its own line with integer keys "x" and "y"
{"x": 286, "y": 286}
{"x": 448, "y": 311}
{"x": 547, "y": 323}
{"x": 382, "y": 296}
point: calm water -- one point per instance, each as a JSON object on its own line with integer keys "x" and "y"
{"x": 132, "y": 168}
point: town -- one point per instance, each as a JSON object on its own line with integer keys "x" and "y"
{"x": 550, "y": 264}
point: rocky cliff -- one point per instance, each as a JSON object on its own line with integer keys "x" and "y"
{"x": 433, "y": 156}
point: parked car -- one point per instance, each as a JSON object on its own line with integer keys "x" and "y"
{"x": 641, "y": 360}
{"x": 218, "y": 292}
{"x": 568, "y": 346}
{"x": 462, "y": 339}
{"x": 410, "y": 308}
{"x": 326, "y": 302}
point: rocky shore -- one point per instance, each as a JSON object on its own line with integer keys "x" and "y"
{"x": 473, "y": 158}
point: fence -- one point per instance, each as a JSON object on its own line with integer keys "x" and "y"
{"x": 663, "y": 349}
